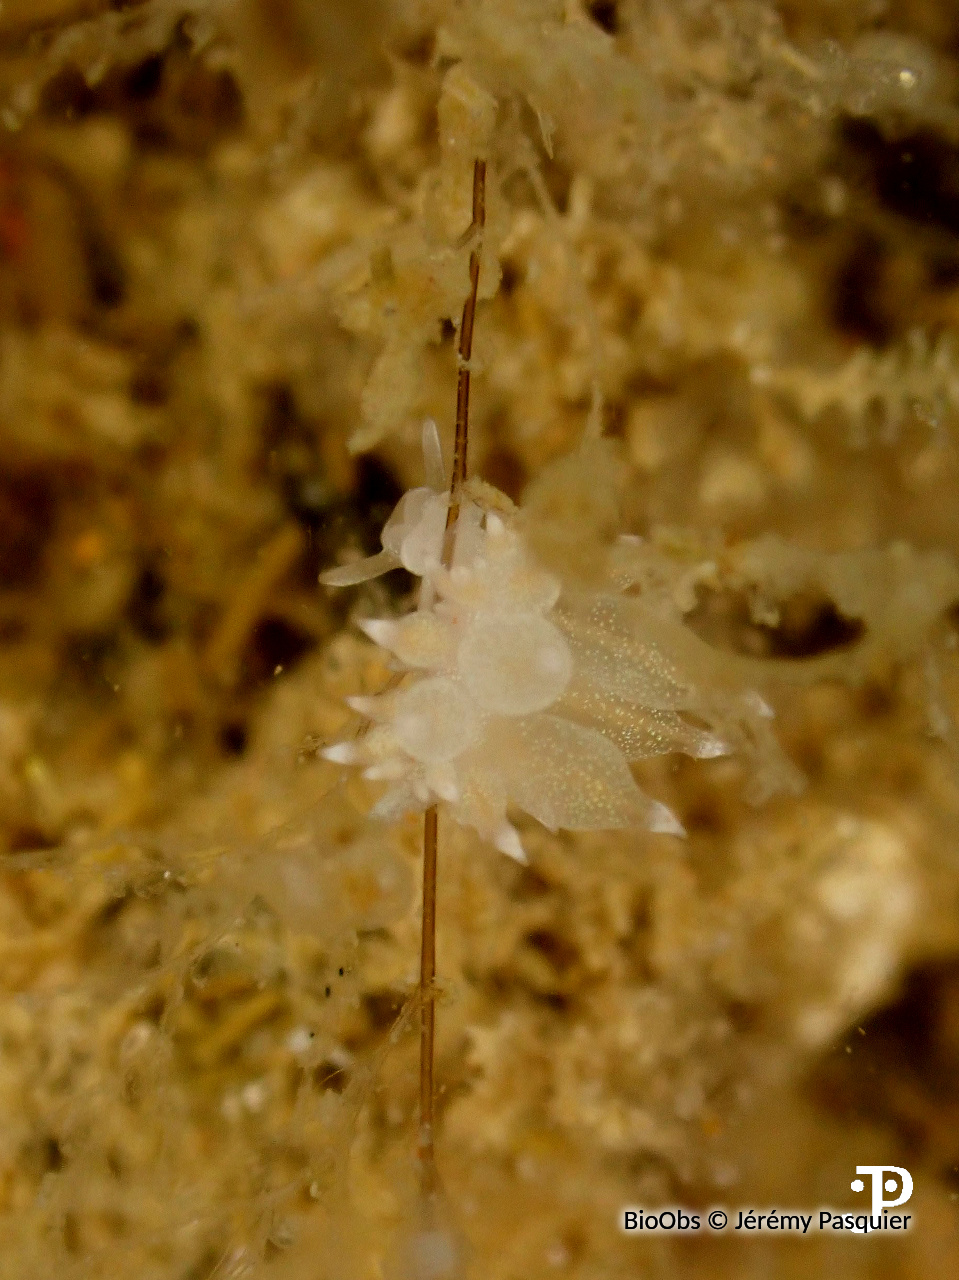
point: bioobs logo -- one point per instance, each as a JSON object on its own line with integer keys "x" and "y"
{"x": 889, "y": 1186}
{"x": 900, "y": 1182}
{"x": 884, "y": 1180}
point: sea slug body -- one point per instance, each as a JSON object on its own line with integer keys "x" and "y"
{"x": 515, "y": 691}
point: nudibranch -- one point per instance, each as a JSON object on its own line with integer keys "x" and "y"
{"x": 518, "y": 692}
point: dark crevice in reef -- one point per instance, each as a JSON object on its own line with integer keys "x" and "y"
{"x": 900, "y": 1068}
{"x": 809, "y": 627}
{"x": 858, "y": 305}
{"x": 604, "y": 14}
{"x": 915, "y": 175}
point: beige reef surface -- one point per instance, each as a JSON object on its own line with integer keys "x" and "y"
{"x": 725, "y": 236}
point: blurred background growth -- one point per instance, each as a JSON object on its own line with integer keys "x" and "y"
{"x": 230, "y": 273}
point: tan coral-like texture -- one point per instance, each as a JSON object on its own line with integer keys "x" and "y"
{"x": 714, "y": 379}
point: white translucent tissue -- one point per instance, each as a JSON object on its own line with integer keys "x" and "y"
{"x": 518, "y": 694}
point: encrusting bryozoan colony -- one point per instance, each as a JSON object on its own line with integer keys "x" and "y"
{"x": 520, "y": 690}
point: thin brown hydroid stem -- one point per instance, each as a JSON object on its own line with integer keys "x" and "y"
{"x": 428, "y": 1003}
{"x": 465, "y": 353}
{"x": 425, "y": 1145}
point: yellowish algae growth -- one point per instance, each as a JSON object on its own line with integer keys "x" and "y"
{"x": 725, "y": 238}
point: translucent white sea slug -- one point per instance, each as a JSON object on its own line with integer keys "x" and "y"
{"x": 516, "y": 692}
